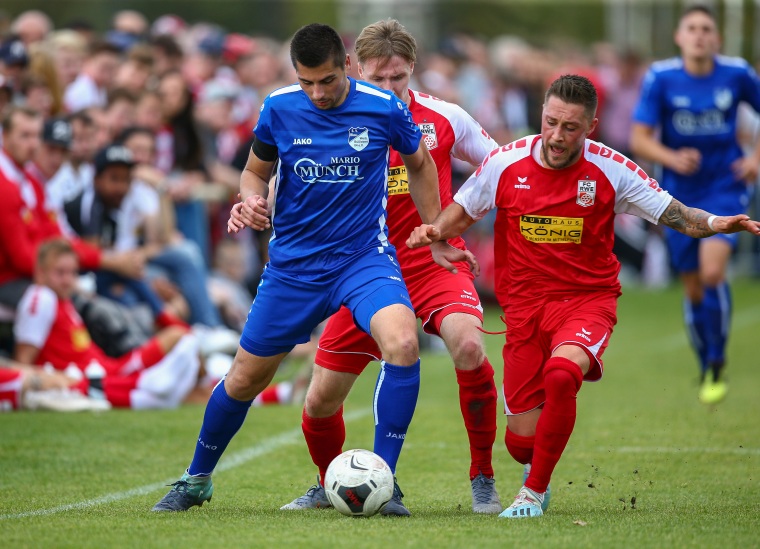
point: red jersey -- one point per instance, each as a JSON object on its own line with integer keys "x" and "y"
{"x": 554, "y": 229}
{"x": 448, "y": 132}
{"x": 53, "y": 325}
{"x": 25, "y": 224}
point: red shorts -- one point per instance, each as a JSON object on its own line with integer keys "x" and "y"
{"x": 586, "y": 321}
{"x": 435, "y": 293}
{"x": 10, "y": 389}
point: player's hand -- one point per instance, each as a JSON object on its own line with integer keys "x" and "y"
{"x": 254, "y": 213}
{"x": 235, "y": 222}
{"x": 445, "y": 255}
{"x": 746, "y": 168}
{"x": 728, "y": 224}
{"x": 686, "y": 161}
{"x": 424, "y": 235}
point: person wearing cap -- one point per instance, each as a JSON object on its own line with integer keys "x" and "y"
{"x": 48, "y": 158}
{"x": 14, "y": 60}
{"x": 25, "y": 222}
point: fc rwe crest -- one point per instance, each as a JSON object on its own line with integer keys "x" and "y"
{"x": 586, "y": 193}
{"x": 428, "y": 132}
{"x": 358, "y": 138}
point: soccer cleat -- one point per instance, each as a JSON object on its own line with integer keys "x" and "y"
{"x": 713, "y": 389}
{"x": 314, "y": 498}
{"x": 395, "y": 507}
{"x": 185, "y": 493}
{"x": 63, "y": 400}
{"x": 485, "y": 499}
{"x": 547, "y": 494}
{"x": 527, "y": 504}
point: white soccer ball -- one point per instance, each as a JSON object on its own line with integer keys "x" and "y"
{"x": 358, "y": 483}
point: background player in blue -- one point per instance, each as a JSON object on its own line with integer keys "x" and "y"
{"x": 329, "y": 244}
{"x": 693, "y": 100}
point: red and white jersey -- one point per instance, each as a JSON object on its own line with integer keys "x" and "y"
{"x": 53, "y": 325}
{"x": 554, "y": 229}
{"x": 448, "y": 132}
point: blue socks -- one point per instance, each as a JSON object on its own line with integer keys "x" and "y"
{"x": 717, "y": 311}
{"x": 396, "y": 394}
{"x": 708, "y": 323}
{"x": 223, "y": 418}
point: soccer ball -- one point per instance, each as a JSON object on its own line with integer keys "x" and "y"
{"x": 358, "y": 483}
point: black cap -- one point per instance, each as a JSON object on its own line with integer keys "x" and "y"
{"x": 57, "y": 131}
{"x": 113, "y": 155}
{"x": 13, "y": 52}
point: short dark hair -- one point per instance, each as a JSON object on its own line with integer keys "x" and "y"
{"x": 315, "y": 44}
{"x": 10, "y": 112}
{"x": 574, "y": 89}
{"x": 698, "y": 8}
{"x": 128, "y": 132}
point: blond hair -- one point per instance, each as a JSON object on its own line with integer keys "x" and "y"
{"x": 385, "y": 39}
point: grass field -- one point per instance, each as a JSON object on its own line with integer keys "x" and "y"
{"x": 90, "y": 480}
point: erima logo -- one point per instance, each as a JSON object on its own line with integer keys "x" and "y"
{"x": 585, "y": 331}
{"x": 584, "y": 334}
{"x": 304, "y": 141}
{"x": 522, "y": 179}
{"x": 468, "y": 293}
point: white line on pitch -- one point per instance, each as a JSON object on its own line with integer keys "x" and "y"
{"x": 233, "y": 460}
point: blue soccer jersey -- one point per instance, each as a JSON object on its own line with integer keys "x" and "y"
{"x": 699, "y": 112}
{"x": 331, "y": 192}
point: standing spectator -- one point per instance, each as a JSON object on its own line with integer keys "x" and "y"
{"x": 693, "y": 100}
{"x": 32, "y": 26}
{"x": 69, "y": 49}
{"x": 557, "y": 278}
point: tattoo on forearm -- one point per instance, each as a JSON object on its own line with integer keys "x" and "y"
{"x": 690, "y": 221}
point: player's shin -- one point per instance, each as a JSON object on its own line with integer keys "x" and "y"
{"x": 396, "y": 394}
{"x": 477, "y": 400}
{"x": 223, "y": 418}
{"x": 717, "y": 305}
{"x": 324, "y": 438}
{"x": 562, "y": 381}
{"x": 694, "y": 318}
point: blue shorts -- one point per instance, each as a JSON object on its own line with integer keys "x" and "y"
{"x": 684, "y": 250}
{"x": 288, "y": 306}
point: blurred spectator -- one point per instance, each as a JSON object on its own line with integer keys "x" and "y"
{"x": 36, "y": 93}
{"x": 77, "y": 173}
{"x": 32, "y": 26}
{"x": 24, "y": 220}
{"x": 227, "y": 284}
{"x": 48, "y": 158}
{"x": 48, "y": 330}
{"x": 69, "y": 49}
{"x": 96, "y": 77}
{"x": 14, "y": 59}
{"x": 119, "y": 112}
{"x": 130, "y": 22}
{"x": 167, "y": 54}
{"x": 42, "y": 65}
{"x": 148, "y": 112}
{"x": 135, "y": 72}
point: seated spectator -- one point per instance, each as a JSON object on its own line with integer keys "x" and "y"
{"x": 24, "y": 219}
{"x": 227, "y": 284}
{"x": 24, "y": 387}
{"x": 48, "y": 330}
{"x": 77, "y": 172}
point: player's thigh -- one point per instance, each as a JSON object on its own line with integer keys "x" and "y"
{"x": 343, "y": 347}
{"x": 585, "y": 322}
{"x": 394, "y": 328}
{"x": 285, "y": 312}
{"x": 327, "y": 391}
{"x": 524, "y": 353}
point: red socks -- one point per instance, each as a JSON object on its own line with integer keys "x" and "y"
{"x": 477, "y": 399}
{"x": 520, "y": 447}
{"x": 324, "y": 437}
{"x": 562, "y": 381}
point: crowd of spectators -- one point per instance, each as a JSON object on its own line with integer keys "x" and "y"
{"x": 173, "y": 103}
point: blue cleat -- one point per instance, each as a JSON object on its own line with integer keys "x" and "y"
{"x": 187, "y": 492}
{"x": 395, "y": 507}
{"x": 527, "y": 504}
{"x": 547, "y": 494}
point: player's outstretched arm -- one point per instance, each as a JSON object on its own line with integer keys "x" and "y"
{"x": 700, "y": 224}
{"x": 423, "y": 182}
{"x": 452, "y": 221}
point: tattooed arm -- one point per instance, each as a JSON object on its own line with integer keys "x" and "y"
{"x": 694, "y": 222}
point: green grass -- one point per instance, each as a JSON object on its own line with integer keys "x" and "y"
{"x": 89, "y": 480}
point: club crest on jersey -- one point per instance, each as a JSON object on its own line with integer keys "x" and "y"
{"x": 586, "y": 193}
{"x": 723, "y": 98}
{"x": 428, "y": 133}
{"x": 358, "y": 138}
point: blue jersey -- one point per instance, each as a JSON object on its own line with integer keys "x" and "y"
{"x": 699, "y": 112}
{"x": 332, "y": 176}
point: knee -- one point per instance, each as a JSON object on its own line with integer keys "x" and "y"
{"x": 320, "y": 403}
{"x": 467, "y": 352}
{"x": 712, "y": 277}
{"x": 562, "y": 376}
{"x": 403, "y": 349}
